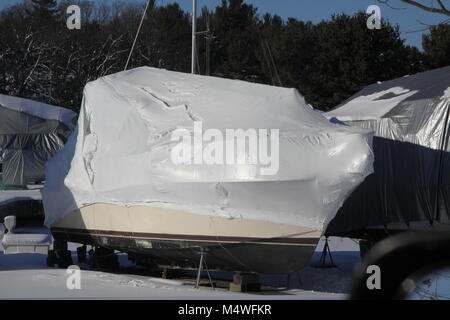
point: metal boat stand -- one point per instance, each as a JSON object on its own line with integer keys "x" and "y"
{"x": 323, "y": 258}
{"x": 200, "y": 269}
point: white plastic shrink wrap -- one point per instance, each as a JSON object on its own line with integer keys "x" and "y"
{"x": 122, "y": 151}
{"x": 31, "y": 132}
{"x": 410, "y": 188}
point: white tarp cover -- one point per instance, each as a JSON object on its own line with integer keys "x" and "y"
{"x": 30, "y": 133}
{"x": 410, "y": 117}
{"x": 39, "y": 109}
{"x": 120, "y": 152}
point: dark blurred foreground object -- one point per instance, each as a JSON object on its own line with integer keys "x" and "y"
{"x": 403, "y": 260}
{"x": 410, "y": 187}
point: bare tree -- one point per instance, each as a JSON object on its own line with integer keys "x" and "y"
{"x": 436, "y": 6}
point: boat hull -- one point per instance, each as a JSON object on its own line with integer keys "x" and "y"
{"x": 173, "y": 238}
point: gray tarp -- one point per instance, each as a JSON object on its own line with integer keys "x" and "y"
{"x": 26, "y": 143}
{"x": 411, "y": 180}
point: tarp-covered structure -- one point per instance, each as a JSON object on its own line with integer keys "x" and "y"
{"x": 30, "y": 134}
{"x": 410, "y": 188}
{"x": 122, "y": 151}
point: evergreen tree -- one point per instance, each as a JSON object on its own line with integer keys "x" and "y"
{"x": 233, "y": 49}
{"x": 436, "y": 46}
{"x": 327, "y": 62}
{"x": 45, "y": 9}
{"x": 330, "y": 61}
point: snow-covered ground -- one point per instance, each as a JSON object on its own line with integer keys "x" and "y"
{"x": 27, "y": 276}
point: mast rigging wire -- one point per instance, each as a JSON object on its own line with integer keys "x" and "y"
{"x": 137, "y": 35}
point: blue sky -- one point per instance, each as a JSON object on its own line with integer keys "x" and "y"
{"x": 410, "y": 19}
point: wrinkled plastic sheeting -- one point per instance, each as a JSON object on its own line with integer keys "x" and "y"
{"x": 39, "y": 110}
{"x": 28, "y": 141}
{"x": 120, "y": 152}
{"x": 411, "y": 182}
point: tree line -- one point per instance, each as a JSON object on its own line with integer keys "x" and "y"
{"x": 40, "y": 58}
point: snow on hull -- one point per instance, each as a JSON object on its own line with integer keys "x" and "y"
{"x": 121, "y": 151}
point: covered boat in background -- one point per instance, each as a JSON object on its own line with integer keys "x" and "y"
{"x": 30, "y": 133}
{"x": 116, "y": 185}
{"x": 410, "y": 188}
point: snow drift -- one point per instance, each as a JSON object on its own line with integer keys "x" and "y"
{"x": 121, "y": 151}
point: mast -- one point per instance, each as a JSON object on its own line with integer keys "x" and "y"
{"x": 194, "y": 35}
{"x": 208, "y": 44}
